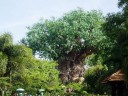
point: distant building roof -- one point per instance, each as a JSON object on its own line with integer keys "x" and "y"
{"x": 117, "y": 76}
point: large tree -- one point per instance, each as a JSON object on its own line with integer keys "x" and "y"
{"x": 68, "y": 40}
{"x": 12, "y": 59}
{"x": 19, "y": 68}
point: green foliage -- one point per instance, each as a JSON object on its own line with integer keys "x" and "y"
{"x": 5, "y": 41}
{"x": 74, "y": 31}
{"x": 78, "y": 89}
{"x": 43, "y": 74}
{"x": 124, "y": 5}
{"x": 94, "y": 59}
{"x": 94, "y": 77}
{"x": 18, "y": 50}
{"x": 12, "y": 59}
{"x": 19, "y": 68}
{"x": 116, "y": 28}
{"x": 125, "y": 68}
{"x": 4, "y": 83}
{"x": 38, "y": 74}
{"x": 74, "y": 86}
{"x": 124, "y": 48}
{"x": 3, "y": 62}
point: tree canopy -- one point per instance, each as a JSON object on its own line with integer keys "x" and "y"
{"x": 116, "y": 29}
{"x": 19, "y": 68}
{"x": 76, "y": 30}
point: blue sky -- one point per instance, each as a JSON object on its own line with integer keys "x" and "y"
{"x": 16, "y": 15}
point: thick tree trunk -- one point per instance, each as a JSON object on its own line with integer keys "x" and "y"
{"x": 71, "y": 66}
{"x": 71, "y": 71}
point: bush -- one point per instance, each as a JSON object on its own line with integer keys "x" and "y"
{"x": 93, "y": 79}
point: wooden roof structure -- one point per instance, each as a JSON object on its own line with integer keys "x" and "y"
{"x": 117, "y": 76}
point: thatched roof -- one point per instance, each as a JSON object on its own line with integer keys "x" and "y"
{"x": 117, "y": 76}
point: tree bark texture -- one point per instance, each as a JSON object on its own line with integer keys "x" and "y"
{"x": 71, "y": 66}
